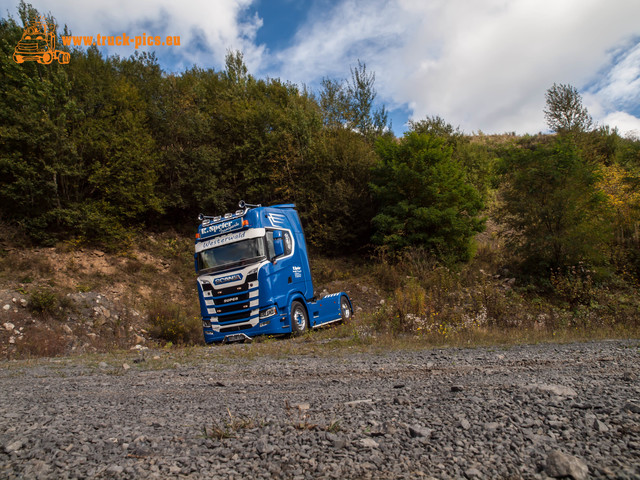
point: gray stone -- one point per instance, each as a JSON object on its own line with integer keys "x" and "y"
{"x": 14, "y": 446}
{"x": 492, "y": 426}
{"x": 473, "y": 473}
{"x": 465, "y": 424}
{"x": 561, "y": 465}
{"x": 560, "y": 390}
{"x": 632, "y": 407}
{"x": 115, "y": 469}
{"x": 263, "y": 446}
{"x": 419, "y": 431}
{"x": 369, "y": 442}
{"x": 600, "y": 426}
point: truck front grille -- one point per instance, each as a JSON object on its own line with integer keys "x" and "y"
{"x": 233, "y": 305}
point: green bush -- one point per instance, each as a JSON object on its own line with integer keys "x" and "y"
{"x": 170, "y": 322}
{"x": 424, "y": 199}
{"x": 555, "y": 215}
{"x": 43, "y": 302}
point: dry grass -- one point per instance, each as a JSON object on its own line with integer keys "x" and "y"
{"x": 426, "y": 304}
{"x": 171, "y": 322}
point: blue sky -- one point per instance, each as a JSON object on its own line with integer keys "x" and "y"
{"x": 483, "y": 65}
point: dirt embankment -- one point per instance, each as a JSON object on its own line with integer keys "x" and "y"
{"x": 56, "y": 301}
{"x": 61, "y": 300}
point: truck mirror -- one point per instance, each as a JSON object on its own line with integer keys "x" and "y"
{"x": 278, "y": 246}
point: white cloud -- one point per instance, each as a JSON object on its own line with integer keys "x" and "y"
{"x": 483, "y": 65}
{"x": 622, "y": 82}
{"x": 627, "y": 124}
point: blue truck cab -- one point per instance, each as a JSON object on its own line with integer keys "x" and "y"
{"x": 254, "y": 278}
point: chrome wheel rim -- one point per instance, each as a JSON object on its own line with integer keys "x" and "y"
{"x": 298, "y": 316}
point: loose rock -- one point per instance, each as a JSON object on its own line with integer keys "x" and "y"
{"x": 561, "y": 465}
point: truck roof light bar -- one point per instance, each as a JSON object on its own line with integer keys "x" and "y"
{"x": 244, "y": 207}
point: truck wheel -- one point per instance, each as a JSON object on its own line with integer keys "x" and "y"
{"x": 299, "y": 318}
{"x": 46, "y": 58}
{"x": 345, "y": 309}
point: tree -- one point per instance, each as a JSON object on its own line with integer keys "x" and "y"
{"x": 436, "y": 126}
{"x": 556, "y": 215}
{"x": 236, "y": 71}
{"x": 474, "y": 157}
{"x": 423, "y": 198}
{"x": 350, "y": 104}
{"x": 362, "y": 95}
{"x": 334, "y": 103}
{"x": 564, "y": 111}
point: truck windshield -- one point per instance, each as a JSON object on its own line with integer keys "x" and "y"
{"x": 239, "y": 252}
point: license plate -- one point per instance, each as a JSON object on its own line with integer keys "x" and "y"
{"x": 236, "y": 337}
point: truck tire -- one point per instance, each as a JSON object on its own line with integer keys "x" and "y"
{"x": 345, "y": 309}
{"x": 299, "y": 318}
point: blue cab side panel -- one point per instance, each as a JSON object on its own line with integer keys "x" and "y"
{"x": 253, "y": 296}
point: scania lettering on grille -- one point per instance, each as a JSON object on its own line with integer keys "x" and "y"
{"x": 229, "y": 278}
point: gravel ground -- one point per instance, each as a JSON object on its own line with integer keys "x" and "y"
{"x": 520, "y": 412}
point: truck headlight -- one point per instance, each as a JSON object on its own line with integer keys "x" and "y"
{"x": 269, "y": 312}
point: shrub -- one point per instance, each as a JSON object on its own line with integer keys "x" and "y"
{"x": 171, "y": 323}
{"x": 42, "y": 342}
{"x": 424, "y": 199}
{"x": 43, "y": 302}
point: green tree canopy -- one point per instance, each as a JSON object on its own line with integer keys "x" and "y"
{"x": 423, "y": 198}
{"x": 555, "y": 214}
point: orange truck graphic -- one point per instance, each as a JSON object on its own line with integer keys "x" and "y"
{"x": 38, "y": 43}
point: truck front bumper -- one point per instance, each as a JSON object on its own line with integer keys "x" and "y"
{"x": 275, "y": 325}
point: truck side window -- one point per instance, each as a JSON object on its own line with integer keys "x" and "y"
{"x": 271, "y": 253}
{"x": 288, "y": 243}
